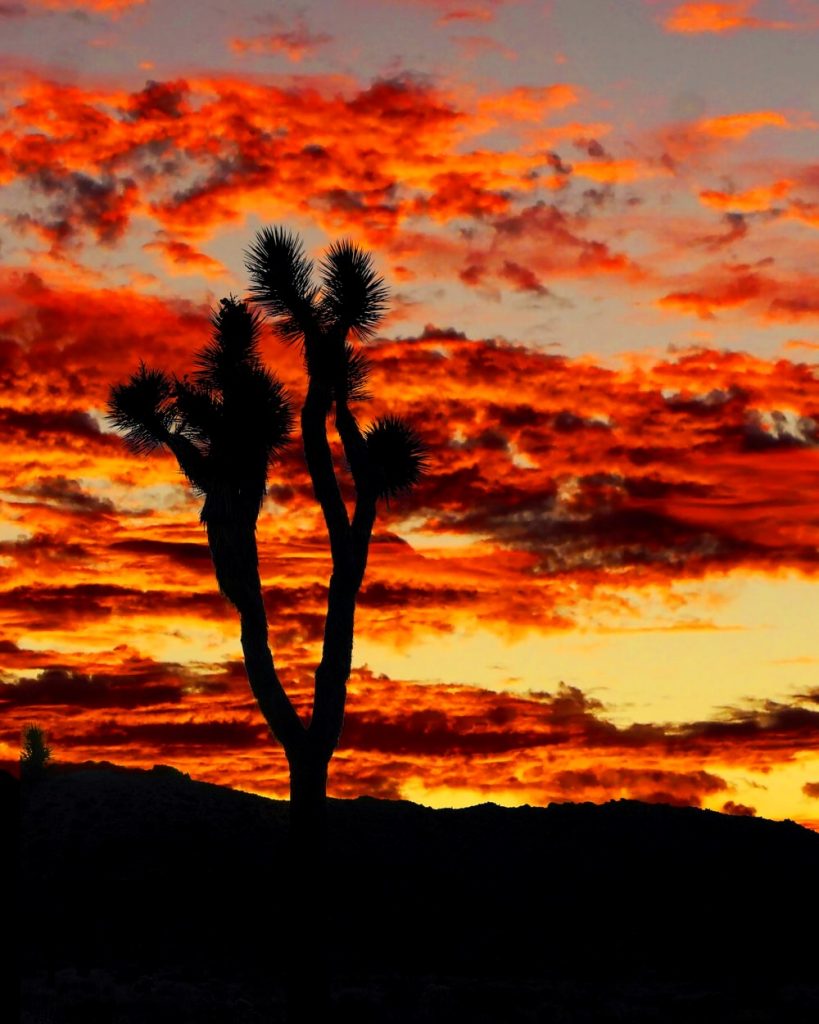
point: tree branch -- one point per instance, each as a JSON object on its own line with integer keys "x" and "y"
{"x": 322, "y": 472}
{"x": 337, "y": 652}
{"x": 355, "y": 447}
{"x": 236, "y": 561}
{"x": 189, "y": 458}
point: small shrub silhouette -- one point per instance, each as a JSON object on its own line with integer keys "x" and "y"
{"x": 35, "y": 755}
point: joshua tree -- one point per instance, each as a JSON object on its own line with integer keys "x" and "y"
{"x": 35, "y": 754}
{"x": 230, "y": 419}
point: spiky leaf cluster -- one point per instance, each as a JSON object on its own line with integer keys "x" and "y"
{"x": 354, "y": 297}
{"x": 233, "y": 346}
{"x": 225, "y": 424}
{"x": 351, "y": 299}
{"x": 282, "y": 285}
{"x": 142, "y": 409}
{"x": 356, "y": 370}
{"x": 398, "y": 456}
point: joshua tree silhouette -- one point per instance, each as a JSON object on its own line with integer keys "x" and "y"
{"x": 226, "y": 424}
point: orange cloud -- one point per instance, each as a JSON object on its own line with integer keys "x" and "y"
{"x": 753, "y": 200}
{"x": 529, "y": 103}
{"x": 690, "y": 144}
{"x": 805, "y": 212}
{"x": 800, "y": 344}
{"x": 718, "y": 17}
{"x": 737, "y": 126}
{"x": 610, "y": 172}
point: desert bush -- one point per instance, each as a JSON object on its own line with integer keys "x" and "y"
{"x": 35, "y": 755}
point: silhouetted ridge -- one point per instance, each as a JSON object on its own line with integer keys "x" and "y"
{"x": 146, "y": 874}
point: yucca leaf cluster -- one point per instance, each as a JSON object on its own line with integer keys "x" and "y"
{"x": 348, "y": 302}
{"x": 230, "y": 418}
{"x": 226, "y": 422}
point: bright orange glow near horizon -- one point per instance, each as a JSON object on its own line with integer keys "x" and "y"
{"x": 604, "y": 321}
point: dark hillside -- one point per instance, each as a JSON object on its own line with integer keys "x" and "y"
{"x": 148, "y": 897}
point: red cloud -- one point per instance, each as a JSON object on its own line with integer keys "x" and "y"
{"x": 570, "y": 483}
{"x": 733, "y": 290}
{"x": 458, "y": 10}
{"x": 195, "y": 155}
{"x": 112, "y": 7}
{"x": 183, "y": 258}
{"x": 558, "y": 745}
{"x": 732, "y": 286}
{"x": 295, "y": 43}
{"x": 460, "y": 14}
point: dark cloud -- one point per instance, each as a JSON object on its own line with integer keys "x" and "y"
{"x": 566, "y": 422}
{"x": 736, "y": 229}
{"x": 776, "y": 431}
{"x": 557, "y": 165}
{"x": 742, "y": 810}
{"x": 34, "y": 425}
{"x": 69, "y": 495}
{"x": 431, "y": 332}
{"x": 432, "y": 733}
{"x": 188, "y": 553}
{"x": 45, "y": 546}
{"x": 592, "y": 147}
{"x": 44, "y": 607}
{"x": 159, "y": 101}
{"x": 77, "y": 692}
{"x": 654, "y": 785}
{"x": 186, "y": 736}
{"x": 77, "y": 202}
{"x": 522, "y": 279}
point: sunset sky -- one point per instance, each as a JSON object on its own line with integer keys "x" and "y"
{"x": 599, "y": 223}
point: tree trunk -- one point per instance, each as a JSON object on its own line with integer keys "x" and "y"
{"x": 309, "y": 891}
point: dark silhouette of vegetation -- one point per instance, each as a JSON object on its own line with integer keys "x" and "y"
{"x": 12, "y": 889}
{"x": 226, "y": 423}
{"x": 35, "y": 755}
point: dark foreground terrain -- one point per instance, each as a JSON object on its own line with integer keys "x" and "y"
{"x": 146, "y": 897}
